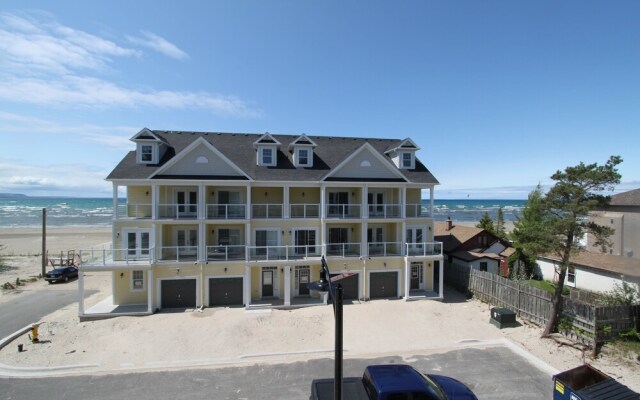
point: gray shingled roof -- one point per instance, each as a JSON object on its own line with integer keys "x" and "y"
{"x": 238, "y": 147}
{"x": 630, "y": 198}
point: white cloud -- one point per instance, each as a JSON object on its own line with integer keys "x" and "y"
{"x": 159, "y": 44}
{"x": 46, "y": 63}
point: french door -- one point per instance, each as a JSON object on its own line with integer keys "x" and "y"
{"x": 376, "y": 204}
{"x": 187, "y": 202}
{"x": 136, "y": 242}
{"x": 266, "y": 242}
{"x": 187, "y": 241}
{"x": 416, "y": 238}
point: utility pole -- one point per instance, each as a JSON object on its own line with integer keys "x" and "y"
{"x": 44, "y": 241}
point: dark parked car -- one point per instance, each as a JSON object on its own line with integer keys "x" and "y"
{"x": 62, "y": 274}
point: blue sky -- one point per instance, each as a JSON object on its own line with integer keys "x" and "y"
{"x": 498, "y": 94}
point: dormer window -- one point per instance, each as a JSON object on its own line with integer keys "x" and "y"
{"x": 147, "y": 153}
{"x": 266, "y": 157}
{"x": 303, "y": 157}
{"x": 407, "y": 160}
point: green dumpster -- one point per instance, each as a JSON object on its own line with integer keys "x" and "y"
{"x": 587, "y": 383}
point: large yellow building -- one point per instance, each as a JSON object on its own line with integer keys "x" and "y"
{"x": 218, "y": 219}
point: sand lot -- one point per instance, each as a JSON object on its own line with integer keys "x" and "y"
{"x": 221, "y": 336}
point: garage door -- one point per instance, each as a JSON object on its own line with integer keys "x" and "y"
{"x": 383, "y": 284}
{"x": 225, "y": 292}
{"x": 349, "y": 287}
{"x": 178, "y": 293}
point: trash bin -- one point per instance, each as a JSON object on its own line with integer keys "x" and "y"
{"x": 587, "y": 383}
{"x": 503, "y": 317}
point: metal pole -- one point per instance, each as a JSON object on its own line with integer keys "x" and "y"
{"x": 337, "y": 388}
{"x": 44, "y": 241}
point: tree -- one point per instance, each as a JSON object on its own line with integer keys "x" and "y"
{"x": 500, "y": 231}
{"x": 565, "y": 209}
{"x": 486, "y": 223}
{"x": 529, "y": 234}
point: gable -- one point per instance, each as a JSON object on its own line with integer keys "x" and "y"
{"x": 202, "y": 159}
{"x": 366, "y": 163}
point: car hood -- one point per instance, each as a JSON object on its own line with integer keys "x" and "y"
{"x": 454, "y": 389}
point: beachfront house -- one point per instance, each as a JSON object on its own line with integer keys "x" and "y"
{"x": 473, "y": 248}
{"x": 222, "y": 219}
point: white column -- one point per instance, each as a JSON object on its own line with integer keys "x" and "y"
{"x": 403, "y": 238}
{"x": 403, "y": 202}
{"x": 323, "y": 224}
{"x": 431, "y": 202}
{"x": 202, "y": 242}
{"x": 322, "y": 202}
{"x": 363, "y": 239}
{"x": 202, "y": 202}
{"x": 287, "y": 285}
{"x": 155, "y": 197}
{"x": 80, "y": 291}
{"x": 441, "y": 283}
{"x": 115, "y": 200}
{"x": 150, "y": 291}
{"x": 247, "y": 286}
{"x": 364, "y": 212}
{"x": 248, "y": 210}
{"x": 407, "y": 278}
{"x": 285, "y": 200}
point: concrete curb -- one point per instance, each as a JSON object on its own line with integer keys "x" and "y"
{"x": 10, "y": 338}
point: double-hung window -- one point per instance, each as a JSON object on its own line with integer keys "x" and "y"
{"x": 407, "y": 160}
{"x": 146, "y": 153}
{"x": 303, "y": 158}
{"x": 137, "y": 280}
{"x": 267, "y": 156}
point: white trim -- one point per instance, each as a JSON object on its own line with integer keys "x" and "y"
{"x": 144, "y": 281}
{"x": 296, "y": 156}
{"x": 266, "y": 135}
{"x": 274, "y": 155}
{"x": 374, "y": 153}
{"x": 154, "y": 153}
{"x": 400, "y": 148}
{"x": 412, "y": 163}
{"x": 275, "y": 281}
{"x": 190, "y": 148}
{"x": 145, "y": 131}
{"x": 302, "y": 137}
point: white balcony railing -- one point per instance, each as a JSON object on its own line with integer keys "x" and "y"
{"x": 344, "y": 250}
{"x": 385, "y": 210}
{"x": 384, "y": 249}
{"x": 132, "y": 210}
{"x": 178, "y": 211}
{"x": 260, "y": 211}
{"x": 116, "y": 256}
{"x": 226, "y": 253}
{"x": 273, "y": 253}
{"x": 226, "y": 211}
{"x": 343, "y": 211}
{"x": 417, "y": 211}
{"x": 304, "y": 210}
{"x": 423, "y": 249}
{"x": 177, "y": 253}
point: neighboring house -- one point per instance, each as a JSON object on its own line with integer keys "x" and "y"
{"x": 595, "y": 272}
{"x": 623, "y": 215}
{"x": 473, "y": 247}
{"x": 217, "y": 219}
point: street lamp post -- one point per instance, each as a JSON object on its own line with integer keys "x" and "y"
{"x": 323, "y": 286}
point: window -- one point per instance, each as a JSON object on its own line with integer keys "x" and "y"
{"x": 137, "y": 280}
{"x": 483, "y": 266}
{"x": 482, "y": 241}
{"x": 571, "y": 275}
{"x": 303, "y": 157}
{"x": 146, "y": 153}
{"x": 267, "y": 156}
{"x": 406, "y": 160}
{"x": 305, "y": 241}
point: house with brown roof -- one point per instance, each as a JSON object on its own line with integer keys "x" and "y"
{"x": 473, "y": 247}
{"x": 595, "y": 272}
{"x": 623, "y": 215}
{"x": 215, "y": 219}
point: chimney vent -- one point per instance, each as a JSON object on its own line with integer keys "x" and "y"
{"x": 449, "y": 223}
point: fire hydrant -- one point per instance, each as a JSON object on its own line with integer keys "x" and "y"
{"x": 34, "y": 333}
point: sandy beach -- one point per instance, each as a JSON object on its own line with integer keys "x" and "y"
{"x": 237, "y": 336}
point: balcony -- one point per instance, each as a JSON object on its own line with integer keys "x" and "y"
{"x": 177, "y": 253}
{"x": 425, "y": 249}
{"x": 417, "y": 211}
{"x": 304, "y": 210}
{"x": 133, "y": 211}
{"x": 384, "y": 249}
{"x": 385, "y": 211}
{"x": 101, "y": 257}
{"x": 344, "y": 250}
{"x": 226, "y": 253}
{"x": 266, "y": 211}
{"x": 178, "y": 211}
{"x": 226, "y": 211}
{"x": 283, "y": 253}
{"x": 343, "y": 211}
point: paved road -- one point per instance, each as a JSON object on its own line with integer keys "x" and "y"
{"x": 31, "y": 305}
{"x": 494, "y": 373}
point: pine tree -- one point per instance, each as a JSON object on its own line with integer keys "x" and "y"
{"x": 486, "y": 223}
{"x": 501, "y": 232}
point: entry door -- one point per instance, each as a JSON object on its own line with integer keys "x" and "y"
{"x": 338, "y": 202}
{"x": 137, "y": 244}
{"x": 187, "y": 241}
{"x": 436, "y": 276}
{"x": 267, "y": 283}
{"x": 415, "y": 238}
{"x": 375, "y": 240}
{"x": 336, "y": 237}
{"x": 267, "y": 242}
{"x": 305, "y": 241}
{"x": 226, "y": 209}
{"x": 302, "y": 280}
{"x": 416, "y": 275}
{"x": 187, "y": 203}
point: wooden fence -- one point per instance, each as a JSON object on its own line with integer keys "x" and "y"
{"x": 579, "y": 321}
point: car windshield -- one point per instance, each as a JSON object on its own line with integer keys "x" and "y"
{"x": 434, "y": 388}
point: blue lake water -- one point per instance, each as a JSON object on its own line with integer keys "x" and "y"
{"x": 74, "y": 211}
